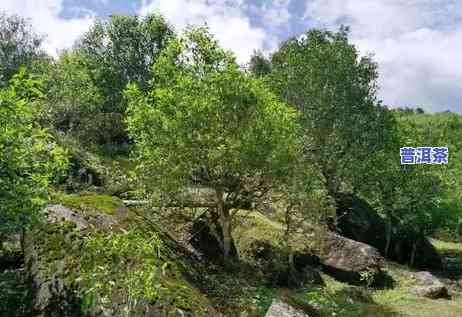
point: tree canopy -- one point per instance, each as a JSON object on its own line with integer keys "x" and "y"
{"x": 321, "y": 74}
{"x": 19, "y": 46}
{"x": 28, "y": 157}
{"x": 207, "y": 121}
{"x": 87, "y": 83}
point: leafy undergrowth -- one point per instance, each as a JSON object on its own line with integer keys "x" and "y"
{"x": 15, "y": 296}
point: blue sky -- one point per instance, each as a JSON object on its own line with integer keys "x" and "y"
{"x": 416, "y": 43}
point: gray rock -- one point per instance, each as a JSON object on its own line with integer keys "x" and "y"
{"x": 357, "y": 220}
{"x": 279, "y": 308}
{"x": 346, "y": 259}
{"x": 53, "y": 296}
{"x": 57, "y": 213}
{"x": 428, "y": 286}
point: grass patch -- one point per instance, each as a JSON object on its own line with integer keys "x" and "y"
{"x": 444, "y": 246}
{"x": 340, "y": 299}
{"x": 254, "y": 226}
{"x": 403, "y": 303}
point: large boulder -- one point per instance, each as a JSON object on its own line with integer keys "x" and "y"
{"x": 43, "y": 253}
{"x": 279, "y": 308}
{"x": 260, "y": 242}
{"x": 357, "y": 220}
{"x": 52, "y": 257}
{"x": 428, "y": 286}
{"x": 350, "y": 261}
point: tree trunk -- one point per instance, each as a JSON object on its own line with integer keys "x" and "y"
{"x": 414, "y": 247}
{"x": 388, "y": 238}
{"x": 292, "y": 271}
{"x": 1, "y": 244}
{"x": 225, "y": 223}
{"x": 22, "y": 239}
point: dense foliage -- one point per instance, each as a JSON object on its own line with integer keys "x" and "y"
{"x": 29, "y": 159}
{"x": 442, "y": 129}
{"x": 19, "y": 46}
{"x": 171, "y": 122}
{"x": 206, "y": 121}
{"x": 85, "y": 96}
{"x": 321, "y": 74}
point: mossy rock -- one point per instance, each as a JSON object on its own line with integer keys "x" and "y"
{"x": 90, "y": 201}
{"x": 54, "y": 255}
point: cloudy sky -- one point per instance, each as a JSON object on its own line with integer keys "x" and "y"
{"x": 417, "y": 43}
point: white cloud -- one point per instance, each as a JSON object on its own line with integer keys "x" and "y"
{"x": 415, "y": 42}
{"x": 45, "y": 18}
{"x": 226, "y": 20}
{"x": 276, "y": 14}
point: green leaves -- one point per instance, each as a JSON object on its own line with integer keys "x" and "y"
{"x": 85, "y": 95}
{"x": 321, "y": 74}
{"x": 19, "y": 46}
{"x": 29, "y": 159}
{"x": 127, "y": 264}
{"x": 204, "y": 114}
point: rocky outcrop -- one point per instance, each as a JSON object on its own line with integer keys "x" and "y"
{"x": 59, "y": 213}
{"x": 428, "y": 286}
{"x": 53, "y": 252}
{"x": 44, "y": 251}
{"x": 279, "y": 308}
{"x": 357, "y": 220}
{"x": 350, "y": 260}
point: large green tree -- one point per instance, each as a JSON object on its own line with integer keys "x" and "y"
{"x": 19, "y": 46}
{"x": 321, "y": 74}
{"x": 86, "y": 86}
{"x": 74, "y": 101}
{"x": 440, "y": 129}
{"x": 206, "y": 122}
{"x": 28, "y": 156}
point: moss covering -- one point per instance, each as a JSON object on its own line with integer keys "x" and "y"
{"x": 60, "y": 250}
{"x": 96, "y": 202}
{"x": 254, "y": 226}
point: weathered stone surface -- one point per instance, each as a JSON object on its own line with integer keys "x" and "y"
{"x": 357, "y": 220}
{"x": 52, "y": 257}
{"x": 347, "y": 254}
{"x": 52, "y": 295}
{"x": 58, "y": 213}
{"x": 279, "y": 308}
{"x": 428, "y": 286}
{"x": 346, "y": 259}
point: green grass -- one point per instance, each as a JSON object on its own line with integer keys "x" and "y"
{"x": 104, "y": 203}
{"x": 340, "y": 299}
{"x": 400, "y": 300}
{"x": 444, "y": 246}
{"x": 254, "y": 226}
